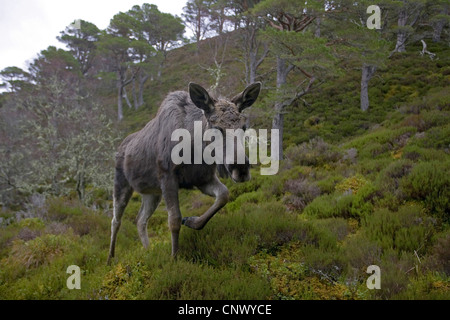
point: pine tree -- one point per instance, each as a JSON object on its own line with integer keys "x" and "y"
{"x": 82, "y": 43}
{"x": 197, "y": 17}
{"x": 295, "y": 47}
{"x": 360, "y": 45}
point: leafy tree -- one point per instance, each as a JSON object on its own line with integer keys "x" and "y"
{"x": 55, "y": 142}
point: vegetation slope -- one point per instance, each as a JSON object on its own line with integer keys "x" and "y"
{"x": 356, "y": 189}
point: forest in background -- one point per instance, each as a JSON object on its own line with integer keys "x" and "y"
{"x": 364, "y": 177}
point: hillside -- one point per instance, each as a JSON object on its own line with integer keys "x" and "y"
{"x": 356, "y": 189}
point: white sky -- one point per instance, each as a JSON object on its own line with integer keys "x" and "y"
{"x": 29, "y": 26}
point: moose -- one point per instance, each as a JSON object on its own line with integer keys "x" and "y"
{"x": 144, "y": 164}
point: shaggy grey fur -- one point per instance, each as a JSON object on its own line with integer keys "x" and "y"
{"x": 143, "y": 160}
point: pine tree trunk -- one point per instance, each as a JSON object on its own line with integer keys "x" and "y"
{"x": 252, "y": 65}
{"x": 125, "y": 96}
{"x": 283, "y": 69}
{"x": 367, "y": 73}
{"x": 278, "y": 124}
{"x": 135, "y": 100}
{"x": 142, "y": 80}
{"x": 439, "y": 25}
{"x": 119, "y": 102}
{"x": 400, "y": 46}
{"x": 437, "y": 30}
{"x": 317, "y": 31}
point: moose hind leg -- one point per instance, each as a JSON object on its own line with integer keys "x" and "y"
{"x": 122, "y": 195}
{"x": 215, "y": 189}
{"x": 149, "y": 204}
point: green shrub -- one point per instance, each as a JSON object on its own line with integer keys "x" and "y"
{"x": 244, "y": 199}
{"x": 437, "y": 138}
{"x": 237, "y": 189}
{"x": 328, "y": 264}
{"x": 155, "y": 275}
{"x": 439, "y": 258}
{"x": 31, "y": 223}
{"x": 435, "y": 118}
{"x": 430, "y": 286}
{"x": 359, "y": 253}
{"x": 364, "y": 201}
{"x": 300, "y": 272}
{"x": 435, "y": 99}
{"x": 407, "y": 230}
{"x": 351, "y": 184}
{"x": 429, "y": 182}
{"x": 380, "y": 141}
{"x": 38, "y": 251}
{"x": 189, "y": 281}
{"x": 330, "y": 205}
{"x": 388, "y": 183}
{"x": 415, "y": 153}
{"x": 328, "y": 184}
{"x": 229, "y": 239}
{"x": 337, "y": 227}
{"x": 395, "y": 274}
{"x": 300, "y": 192}
{"x": 314, "y": 153}
{"x": 59, "y": 209}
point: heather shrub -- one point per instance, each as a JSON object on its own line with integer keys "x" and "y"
{"x": 407, "y": 230}
{"x": 388, "y": 183}
{"x": 38, "y": 251}
{"x": 395, "y": 273}
{"x": 316, "y": 152}
{"x": 360, "y": 252}
{"x": 328, "y": 184}
{"x": 352, "y": 184}
{"x": 439, "y": 258}
{"x": 415, "y": 153}
{"x": 436, "y": 137}
{"x": 299, "y": 192}
{"x": 429, "y": 182}
{"x": 330, "y": 205}
{"x": 244, "y": 199}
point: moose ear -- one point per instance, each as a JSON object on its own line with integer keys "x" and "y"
{"x": 248, "y": 97}
{"x": 200, "y": 97}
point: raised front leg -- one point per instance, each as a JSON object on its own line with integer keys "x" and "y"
{"x": 170, "y": 194}
{"x": 215, "y": 189}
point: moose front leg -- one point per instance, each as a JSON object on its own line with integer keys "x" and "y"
{"x": 215, "y": 189}
{"x": 170, "y": 194}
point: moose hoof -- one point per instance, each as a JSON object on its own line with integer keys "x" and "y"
{"x": 191, "y": 223}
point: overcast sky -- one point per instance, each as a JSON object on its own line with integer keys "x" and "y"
{"x": 29, "y": 26}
